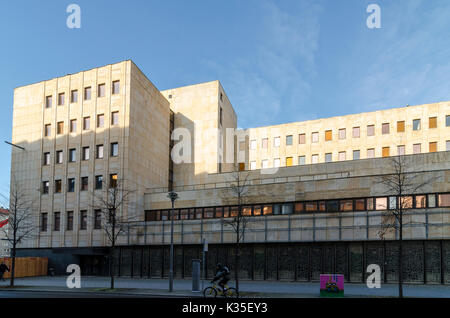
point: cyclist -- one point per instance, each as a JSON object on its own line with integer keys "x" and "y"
{"x": 222, "y": 275}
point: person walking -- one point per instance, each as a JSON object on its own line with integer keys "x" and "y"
{"x": 3, "y": 269}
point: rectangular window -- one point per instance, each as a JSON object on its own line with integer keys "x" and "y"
{"x": 84, "y": 183}
{"x": 416, "y": 124}
{"x": 342, "y": 133}
{"x": 69, "y": 225}
{"x": 113, "y": 180}
{"x": 56, "y": 221}
{"x": 98, "y": 182}
{"x": 207, "y": 214}
{"x": 48, "y": 102}
{"x": 371, "y": 130}
{"x": 252, "y": 144}
{"x": 417, "y": 148}
{"x": 61, "y": 99}
{"x": 252, "y": 165}
{"x": 115, "y": 87}
{"x": 392, "y": 203}
{"x": 447, "y": 121}
{"x": 86, "y": 123}
{"x": 74, "y": 96}
{"x": 381, "y": 203}
{"x": 72, "y": 155}
{"x": 97, "y": 219}
{"x": 299, "y": 208}
{"x": 257, "y": 210}
{"x": 342, "y": 155}
{"x": 83, "y": 220}
{"x": 265, "y": 164}
{"x": 99, "y": 152}
{"x": 71, "y": 185}
{"x": 267, "y": 210}
{"x": 302, "y": 139}
{"x": 289, "y": 140}
{"x": 401, "y": 126}
{"x": 432, "y": 146}
{"x": 241, "y": 145}
{"x": 444, "y": 200}
{"x": 46, "y": 158}
{"x": 101, "y": 90}
{"x": 371, "y": 153}
{"x": 114, "y": 118}
{"x": 276, "y": 142}
{"x": 385, "y": 128}
{"x": 47, "y": 130}
{"x": 315, "y": 159}
{"x": 45, "y": 187}
{"x": 276, "y": 163}
{"x": 400, "y": 150}
{"x": 421, "y": 201}
{"x": 73, "y": 125}
{"x": 447, "y": 145}
{"x": 385, "y": 152}
{"x": 85, "y": 154}
{"x": 114, "y": 149}
{"x": 346, "y": 205}
{"x": 241, "y": 166}
{"x": 431, "y": 200}
{"x": 328, "y": 135}
{"x": 328, "y": 157}
{"x": 360, "y": 204}
{"x": 356, "y": 154}
{"x": 406, "y": 202}
{"x": 265, "y": 142}
{"x": 58, "y": 186}
{"x": 43, "y": 222}
{"x": 220, "y": 116}
{"x": 59, "y": 156}
{"x": 288, "y": 161}
{"x": 356, "y": 132}
{"x": 100, "y": 121}
{"x": 315, "y": 137}
{"x": 432, "y": 122}
{"x": 301, "y": 160}
{"x": 369, "y": 202}
{"x": 311, "y": 206}
{"x": 60, "y": 128}
{"x": 87, "y": 93}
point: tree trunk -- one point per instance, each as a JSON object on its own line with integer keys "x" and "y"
{"x": 236, "y": 264}
{"x": 111, "y": 267}
{"x": 400, "y": 258}
{"x": 13, "y": 265}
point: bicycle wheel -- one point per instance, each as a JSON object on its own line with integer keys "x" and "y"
{"x": 209, "y": 292}
{"x": 231, "y": 293}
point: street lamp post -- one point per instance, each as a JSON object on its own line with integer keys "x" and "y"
{"x": 173, "y": 196}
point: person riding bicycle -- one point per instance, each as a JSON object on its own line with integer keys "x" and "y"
{"x": 222, "y": 275}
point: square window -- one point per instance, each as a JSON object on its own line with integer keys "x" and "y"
{"x": 87, "y": 93}
{"x": 342, "y": 133}
{"x": 114, "y": 118}
{"x": 315, "y": 137}
{"x": 356, "y": 132}
{"x": 115, "y": 87}
{"x": 417, "y": 148}
{"x": 276, "y": 163}
{"x": 356, "y": 154}
{"x": 371, "y": 153}
{"x": 432, "y": 147}
{"x": 252, "y": 165}
{"x": 416, "y": 124}
{"x": 371, "y": 130}
{"x": 432, "y": 122}
{"x": 101, "y": 90}
{"x": 74, "y": 96}
{"x": 301, "y": 160}
{"x": 401, "y": 150}
{"x": 61, "y": 99}
{"x": 302, "y": 139}
{"x": 444, "y": 200}
{"x": 276, "y": 142}
{"x": 289, "y": 140}
{"x": 265, "y": 164}
{"x": 48, "y": 102}
{"x": 100, "y": 121}
{"x": 328, "y": 135}
{"x": 315, "y": 159}
{"x": 73, "y": 125}
{"x": 328, "y": 157}
{"x": 401, "y": 126}
{"x": 288, "y": 161}
{"x": 114, "y": 149}
{"x": 86, "y": 123}
{"x": 385, "y": 128}
{"x": 385, "y": 152}
{"x": 342, "y": 155}
{"x": 241, "y": 166}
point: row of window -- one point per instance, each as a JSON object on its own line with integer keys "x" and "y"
{"x": 421, "y": 201}
{"x": 84, "y": 185}
{"x": 85, "y": 154}
{"x": 342, "y": 155}
{"x": 69, "y": 220}
{"x": 342, "y": 133}
{"x": 101, "y": 88}
{"x": 86, "y": 124}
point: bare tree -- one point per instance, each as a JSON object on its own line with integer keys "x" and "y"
{"x": 110, "y": 204}
{"x": 238, "y": 188}
{"x": 402, "y": 183}
{"x": 20, "y": 221}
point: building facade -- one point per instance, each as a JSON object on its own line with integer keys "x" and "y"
{"x": 314, "y": 200}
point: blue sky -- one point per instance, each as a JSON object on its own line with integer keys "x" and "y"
{"x": 279, "y": 61}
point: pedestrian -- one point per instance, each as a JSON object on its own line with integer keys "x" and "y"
{"x": 3, "y": 269}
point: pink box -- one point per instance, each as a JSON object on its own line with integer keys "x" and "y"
{"x": 331, "y": 284}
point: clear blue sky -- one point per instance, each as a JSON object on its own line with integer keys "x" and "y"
{"x": 279, "y": 61}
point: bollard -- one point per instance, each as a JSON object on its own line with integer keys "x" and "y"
{"x": 196, "y": 275}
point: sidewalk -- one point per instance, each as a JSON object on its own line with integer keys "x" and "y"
{"x": 182, "y": 288}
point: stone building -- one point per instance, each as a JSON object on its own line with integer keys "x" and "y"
{"x": 314, "y": 201}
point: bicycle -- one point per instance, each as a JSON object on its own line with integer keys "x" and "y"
{"x": 214, "y": 291}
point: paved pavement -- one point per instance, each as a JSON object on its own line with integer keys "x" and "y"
{"x": 135, "y": 286}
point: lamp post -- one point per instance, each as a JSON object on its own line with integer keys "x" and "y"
{"x": 173, "y": 196}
